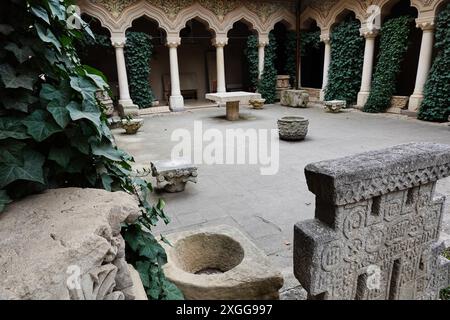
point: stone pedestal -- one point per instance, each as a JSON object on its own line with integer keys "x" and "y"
{"x": 232, "y": 101}
{"x": 377, "y": 223}
{"x": 334, "y": 106}
{"x": 66, "y": 244}
{"x": 257, "y": 103}
{"x": 282, "y": 84}
{"x": 131, "y": 126}
{"x": 232, "y": 110}
{"x": 172, "y": 175}
{"x": 220, "y": 263}
{"x": 294, "y": 98}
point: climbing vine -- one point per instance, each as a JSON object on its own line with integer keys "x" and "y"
{"x": 53, "y": 132}
{"x": 309, "y": 39}
{"x": 138, "y": 53}
{"x": 251, "y": 52}
{"x": 291, "y": 57}
{"x": 347, "y": 56}
{"x": 393, "y": 47}
{"x": 268, "y": 82}
{"x": 436, "y": 103}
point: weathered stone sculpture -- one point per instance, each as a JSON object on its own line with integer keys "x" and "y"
{"x": 335, "y": 106}
{"x": 294, "y": 98}
{"x": 220, "y": 263}
{"x": 172, "y": 175}
{"x": 376, "y": 227}
{"x": 66, "y": 244}
{"x": 106, "y": 100}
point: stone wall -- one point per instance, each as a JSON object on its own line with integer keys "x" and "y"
{"x": 66, "y": 244}
{"x": 377, "y": 226}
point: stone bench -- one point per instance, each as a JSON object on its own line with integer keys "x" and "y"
{"x": 172, "y": 175}
{"x": 294, "y": 98}
{"x": 66, "y": 244}
{"x": 377, "y": 224}
{"x": 335, "y": 106}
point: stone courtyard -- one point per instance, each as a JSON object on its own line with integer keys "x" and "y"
{"x": 265, "y": 208}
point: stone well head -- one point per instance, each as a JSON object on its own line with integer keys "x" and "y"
{"x": 220, "y": 263}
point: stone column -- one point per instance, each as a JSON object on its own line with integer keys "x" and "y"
{"x": 129, "y": 108}
{"x": 263, "y": 41}
{"x": 426, "y": 53}
{"x": 325, "y": 38}
{"x": 176, "y": 101}
{"x": 366, "y": 79}
{"x": 219, "y": 43}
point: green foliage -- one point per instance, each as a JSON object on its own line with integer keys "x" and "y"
{"x": 53, "y": 132}
{"x": 138, "y": 52}
{"x": 251, "y": 52}
{"x": 291, "y": 57}
{"x": 436, "y": 103}
{"x": 309, "y": 39}
{"x": 393, "y": 47}
{"x": 268, "y": 82}
{"x": 347, "y": 56}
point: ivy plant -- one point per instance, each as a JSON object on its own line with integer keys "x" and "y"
{"x": 393, "y": 47}
{"x": 291, "y": 57}
{"x": 309, "y": 39}
{"x": 436, "y": 103}
{"x": 268, "y": 82}
{"x": 53, "y": 131}
{"x": 138, "y": 53}
{"x": 347, "y": 56}
{"x": 251, "y": 52}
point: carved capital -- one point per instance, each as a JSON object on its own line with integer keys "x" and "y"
{"x": 220, "y": 42}
{"x": 325, "y": 38}
{"x": 118, "y": 42}
{"x": 173, "y": 41}
{"x": 369, "y": 33}
{"x": 263, "y": 40}
{"x": 425, "y": 25}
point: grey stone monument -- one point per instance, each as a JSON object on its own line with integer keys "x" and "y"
{"x": 377, "y": 224}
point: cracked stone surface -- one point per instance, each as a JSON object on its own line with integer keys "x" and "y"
{"x": 239, "y": 196}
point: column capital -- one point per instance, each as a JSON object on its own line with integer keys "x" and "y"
{"x": 173, "y": 42}
{"x": 325, "y": 38}
{"x": 425, "y": 25}
{"x": 118, "y": 41}
{"x": 219, "y": 41}
{"x": 263, "y": 40}
{"x": 369, "y": 34}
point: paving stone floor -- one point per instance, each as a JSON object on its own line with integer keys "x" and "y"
{"x": 266, "y": 208}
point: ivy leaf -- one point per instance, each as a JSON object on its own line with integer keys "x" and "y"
{"x": 106, "y": 150}
{"x": 12, "y": 128}
{"x": 40, "y": 13}
{"x": 47, "y": 36}
{"x": 60, "y": 113}
{"x": 57, "y": 9}
{"x": 30, "y": 169}
{"x": 39, "y": 126}
{"x": 20, "y": 102}
{"x": 4, "y": 200}
{"x": 13, "y": 81}
{"x": 61, "y": 156}
{"x": 97, "y": 76}
{"x": 106, "y": 181}
{"x": 82, "y": 85}
{"x": 77, "y": 113}
{"x": 22, "y": 54}
{"x": 11, "y": 151}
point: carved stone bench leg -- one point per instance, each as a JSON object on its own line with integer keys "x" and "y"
{"x": 233, "y": 110}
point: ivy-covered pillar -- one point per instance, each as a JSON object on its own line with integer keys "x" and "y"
{"x": 263, "y": 41}
{"x": 426, "y": 54}
{"x": 219, "y": 42}
{"x": 325, "y": 38}
{"x": 366, "y": 80}
{"x": 176, "y": 102}
{"x": 129, "y": 108}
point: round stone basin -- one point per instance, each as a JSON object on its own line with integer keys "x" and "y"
{"x": 208, "y": 254}
{"x": 219, "y": 262}
{"x": 293, "y": 128}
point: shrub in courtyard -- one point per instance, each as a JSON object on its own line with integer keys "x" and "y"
{"x": 251, "y": 52}
{"x": 347, "y": 56}
{"x": 309, "y": 39}
{"x": 291, "y": 57}
{"x": 138, "y": 53}
{"x": 393, "y": 47}
{"x": 53, "y": 132}
{"x": 268, "y": 82}
{"x": 436, "y": 103}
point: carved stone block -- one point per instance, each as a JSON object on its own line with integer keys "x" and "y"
{"x": 376, "y": 229}
{"x": 172, "y": 176}
{"x": 66, "y": 244}
{"x": 294, "y": 98}
{"x": 335, "y": 106}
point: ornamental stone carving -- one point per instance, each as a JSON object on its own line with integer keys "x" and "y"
{"x": 377, "y": 223}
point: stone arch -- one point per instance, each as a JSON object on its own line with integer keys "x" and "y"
{"x": 199, "y": 13}
{"x": 286, "y": 18}
{"x": 310, "y": 15}
{"x": 100, "y": 13}
{"x": 242, "y": 14}
{"x": 340, "y": 10}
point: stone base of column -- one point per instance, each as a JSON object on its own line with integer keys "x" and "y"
{"x": 414, "y": 102}
{"x": 176, "y": 103}
{"x": 129, "y": 108}
{"x": 362, "y": 98}
{"x": 322, "y": 95}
